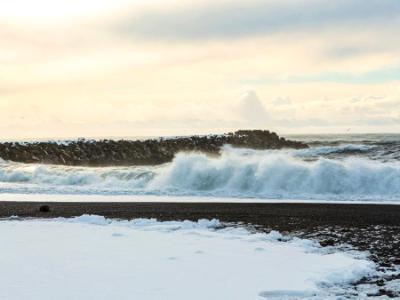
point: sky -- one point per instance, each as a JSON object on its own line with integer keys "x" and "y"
{"x": 101, "y": 68}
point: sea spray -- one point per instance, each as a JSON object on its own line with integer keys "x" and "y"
{"x": 277, "y": 175}
{"x": 236, "y": 173}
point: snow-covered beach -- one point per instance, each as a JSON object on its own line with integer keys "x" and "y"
{"x": 90, "y": 257}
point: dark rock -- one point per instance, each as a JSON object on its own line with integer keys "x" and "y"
{"x": 374, "y": 258}
{"x": 380, "y": 282}
{"x": 385, "y": 264}
{"x": 124, "y": 152}
{"x": 44, "y": 208}
{"x": 327, "y": 242}
{"x": 396, "y": 261}
{"x": 389, "y": 293}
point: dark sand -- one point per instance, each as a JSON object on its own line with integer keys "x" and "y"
{"x": 281, "y": 216}
{"x": 372, "y": 227}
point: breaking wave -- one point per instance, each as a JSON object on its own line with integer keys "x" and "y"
{"x": 236, "y": 173}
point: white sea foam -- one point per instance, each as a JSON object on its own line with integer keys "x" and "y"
{"x": 91, "y": 257}
{"x": 280, "y": 175}
{"x": 236, "y": 173}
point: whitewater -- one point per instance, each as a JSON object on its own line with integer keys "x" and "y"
{"x": 335, "y": 169}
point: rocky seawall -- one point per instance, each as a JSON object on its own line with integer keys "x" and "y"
{"x": 140, "y": 152}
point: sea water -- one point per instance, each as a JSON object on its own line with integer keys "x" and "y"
{"x": 334, "y": 168}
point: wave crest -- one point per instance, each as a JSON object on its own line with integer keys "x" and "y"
{"x": 275, "y": 175}
{"x": 236, "y": 173}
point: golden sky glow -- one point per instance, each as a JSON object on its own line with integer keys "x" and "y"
{"x": 129, "y": 67}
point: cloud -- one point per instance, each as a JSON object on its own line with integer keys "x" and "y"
{"x": 177, "y": 66}
{"x": 237, "y": 19}
{"x": 251, "y": 110}
{"x": 282, "y": 101}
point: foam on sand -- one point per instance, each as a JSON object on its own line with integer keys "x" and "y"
{"x": 91, "y": 257}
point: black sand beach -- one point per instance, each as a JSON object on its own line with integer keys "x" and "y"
{"x": 280, "y": 216}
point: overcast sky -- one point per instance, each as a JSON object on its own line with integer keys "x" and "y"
{"x": 73, "y": 68}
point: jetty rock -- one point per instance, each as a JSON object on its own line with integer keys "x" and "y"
{"x": 138, "y": 152}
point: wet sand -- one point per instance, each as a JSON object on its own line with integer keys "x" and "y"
{"x": 282, "y": 216}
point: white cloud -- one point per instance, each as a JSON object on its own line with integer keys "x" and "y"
{"x": 87, "y": 76}
{"x": 251, "y": 109}
{"x": 282, "y": 101}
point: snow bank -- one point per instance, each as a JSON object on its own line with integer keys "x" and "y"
{"x": 90, "y": 257}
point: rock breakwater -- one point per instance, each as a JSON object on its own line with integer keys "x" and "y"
{"x": 139, "y": 152}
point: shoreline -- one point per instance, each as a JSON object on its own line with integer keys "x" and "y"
{"x": 264, "y": 213}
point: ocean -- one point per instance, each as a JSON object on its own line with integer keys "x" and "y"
{"x": 352, "y": 167}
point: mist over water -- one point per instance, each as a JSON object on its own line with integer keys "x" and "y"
{"x": 332, "y": 169}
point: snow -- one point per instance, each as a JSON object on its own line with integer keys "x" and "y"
{"x": 91, "y": 257}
